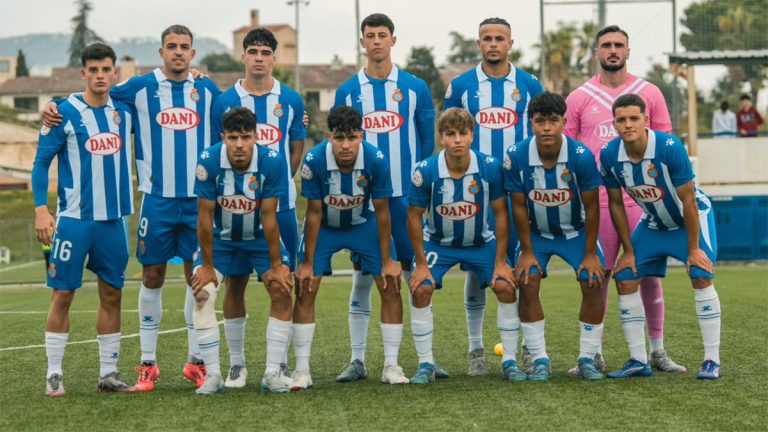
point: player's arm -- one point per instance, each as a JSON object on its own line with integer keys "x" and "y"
{"x": 421, "y": 271}
{"x": 621, "y": 224}
{"x": 48, "y": 146}
{"x": 206, "y": 273}
{"x": 501, "y": 269}
{"x": 452, "y": 96}
{"x": 527, "y": 259}
{"x": 390, "y": 271}
{"x": 279, "y": 273}
{"x": 305, "y": 270}
{"x": 425, "y": 122}
{"x": 297, "y": 152}
{"x": 591, "y": 263}
{"x": 573, "y": 119}
{"x": 696, "y": 256}
{"x": 297, "y": 133}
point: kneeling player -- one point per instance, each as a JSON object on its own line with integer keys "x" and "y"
{"x": 237, "y": 185}
{"x": 459, "y": 187}
{"x": 654, "y": 169}
{"x": 340, "y": 178}
{"x": 553, "y": 181}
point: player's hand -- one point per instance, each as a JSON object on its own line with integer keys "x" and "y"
{"x": 595, "y": 271}
{"x": 698, "y": 258}
{"x": 45, "y": 225}
{"x": 51, "y": 116}
{"x": 305, "y": 119}
{"x": 420, "y": 275}
{"x": 503, "y": 271}
{"x": 626, "y": 260}
{"x": 303, "y": 276}
{"x": 281, "y": 275}
{"x": 390, "y": 274}
{"x": 204, "y": 275}
{"x": 524, "y": 265}
{"x": 197, "y": 74}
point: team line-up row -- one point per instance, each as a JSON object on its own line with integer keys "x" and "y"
{"x": 517, "y": 181}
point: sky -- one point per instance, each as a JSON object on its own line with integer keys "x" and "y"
{"x": 327, "y": 27}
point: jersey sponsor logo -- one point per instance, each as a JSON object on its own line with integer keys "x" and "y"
{"x": 253, "y": 183}
{"x": 238, "y": 204}
{"x": 104, "y": 143}
{"x": 194, "y": 95}
{"x": 278, "y": 110}
{"x": 383, "y": 121}
{"x": 459, "y": 210}
{"x": 397, "y": 95}
{"x": 550, "y": 197}
{"x": 516, "y": 96}
{"x": 306, "y": 172}
{"x": 344, "y": 202}
{"x": 116, "y": 118}
{"x": 496, "y": 118}
{"x": 646, "y": 193}
{"x": 566, "y": 175}
{"x": 201, "y": 173}
{"x": 473, "y": 188}
{"x": 417, "y": 179}
{"x": 362, "y": 182}
{"x": 267, "y": 134}
{"x": 177, "y": 119}
{"x": 604, "y": 131}
{"x": 652, "y": 171}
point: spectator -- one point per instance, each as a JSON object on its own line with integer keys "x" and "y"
{"x": 724, "y": 121}
{"x": 748, "y": 118}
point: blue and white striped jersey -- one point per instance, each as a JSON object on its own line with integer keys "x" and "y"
{"x": 398, "y": 118}
{"x": 458, "y": 208}
{"x": 553, "y": 196}
{"x": 238, "y": 195}
{"x": 499, "y": 105}
{"x": 346, "y": 197}
{"x": 93, "y": 146}
{"x": 279, "y": 115}
{"x": 172, "y": 128}
{"x": 652, "y": 183}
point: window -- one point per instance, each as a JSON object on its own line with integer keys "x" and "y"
{"x": 5, "y": 66}
{"x": 313, "y": 96}
{"x": 26, "y": 103}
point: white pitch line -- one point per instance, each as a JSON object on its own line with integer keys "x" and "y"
{"x": 72, "y": 311}
{"x": 15, "y": 267}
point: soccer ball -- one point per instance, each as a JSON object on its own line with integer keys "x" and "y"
{"x": 499, "y": 349}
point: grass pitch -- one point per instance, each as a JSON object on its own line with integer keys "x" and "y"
{"x": 737, "y": 401}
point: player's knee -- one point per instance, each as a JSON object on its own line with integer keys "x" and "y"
{"x": 153, "y": 276}
{"x": 699, "y": 283}
{"x": 422, "y": 296}
{"x": 204, "y": 312}
{"x": 236, "y": 286}
{"x": 110, "y": 297}
{"x": 62, "y": 299}
{"x": 504, "y": 291}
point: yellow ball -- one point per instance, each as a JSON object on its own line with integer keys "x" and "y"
{"x": 499, "y": 349}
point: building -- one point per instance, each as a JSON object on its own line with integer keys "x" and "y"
{"x": 7, "y": 68}
{"x": 284, "y": 33}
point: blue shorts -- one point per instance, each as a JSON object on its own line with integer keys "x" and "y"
{"x": 362, "y": 240}
{"x": 479, "y": 259}
{"x": 653, "y": 247}
{"x": 241, "y": 258}
{"x": 289, "y": 234}
{"x": 571, "y": 250}
{"x": 103, "y": 242}
{"x": 398, "y": 217}
{"x": 167, "y": 228}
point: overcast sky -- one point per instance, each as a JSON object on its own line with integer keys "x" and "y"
{"x": 327, "y": 27}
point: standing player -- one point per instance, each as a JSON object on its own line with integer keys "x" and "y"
{"x": 238, "y": 184}
{"x": 590, "y": 120}
{"x": 341, "y": 178}
{"x": 553, "y": 181}
{"x": 678, "y": 221}
{"x": 93, "y": 147}
{"x": 398, "y": 118}
{"x": 497, "y": 94}
{"x": 281, "y": 129}
{"x": 459, "y": 188}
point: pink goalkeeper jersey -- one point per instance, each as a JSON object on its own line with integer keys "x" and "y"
{"x": 590, "y": 119}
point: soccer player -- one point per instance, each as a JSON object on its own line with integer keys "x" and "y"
{"x": 93, "y": 147}
{"x": 347, "y": 185}
{"x": 678, "y": 221}
{"x": 398, "y": 118}
{"x": 238, "y": 185}
{"x": 281, "y": 129}
{"x": 553, "y": 182}
{"x": 459, "y": 188}
{"x": 173, "y": 127}
{"x": 497, "y": 95}
{"x": 590, "y": 120}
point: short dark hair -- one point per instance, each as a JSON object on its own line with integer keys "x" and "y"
{"x": 610, "y": 29}
{"x": 495, "y": 20}
{"x": 176, "y": 29}
{"x": 628, "y": 100}
{"x": 260, "y": 37}
{"x": 377, "y": 20}
{"x": 344, "y": 119}
{"x": 723, "y": 106}
{"x": 547, "y": 104}
{"x": 455, "y": 119}
{"x": 745, "y": 97}
{"x": 239, "y": 119}
{"x": 97, "y": 51}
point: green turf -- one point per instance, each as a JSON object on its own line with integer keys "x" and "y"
{"x": 662, "y": 402}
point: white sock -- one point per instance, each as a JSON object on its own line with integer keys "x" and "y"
{"x": 632, "y": 315}
{"x": 109, "y": 353}
{"x": 234, "y": 331}
{"x": 359, "y": 313}
{"x": 422, "y": 326}
{"x": 278, "y": 334}
{"x": 392, "y": 336}
{"x": 209, "y": 340}
{"x": 150, "y": 314}
{"x": 54, "y": 350}
{"x": 508, "y": 322}
{"x": 474, "y": 305}
{"x": 708, "y": 312}
{"x": 534, "y": 339}
{"x": 589, "y": 339}
{"x": 302, "y": 344}
{"x": 189, "y": 306}
{"x": 657, "y": 344}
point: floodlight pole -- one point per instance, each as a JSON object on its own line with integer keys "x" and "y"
{"x": 357, "y": 28}
{"x": 542, "y": 40}
{"x": 296, "y": 69}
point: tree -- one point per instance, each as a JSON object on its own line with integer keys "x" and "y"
{"x": 463, "y": 50}
{"x": 568, "y": 55}
{"x": 82, "y": 35}
{"x": 421, "y": 63}
{"x": 21, "y": 65}
{"x": 221, "y": 62}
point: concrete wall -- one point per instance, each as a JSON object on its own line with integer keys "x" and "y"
{"x": 732, "y": 161}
